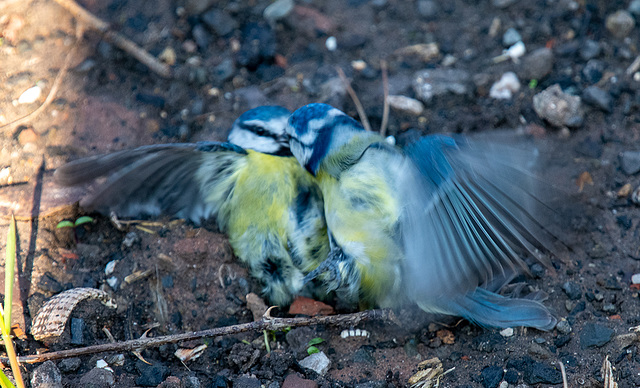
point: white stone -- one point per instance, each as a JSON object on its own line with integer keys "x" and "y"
{"x": 30, "y": 95}
{"x": 635, "y": 278}
{"x": 317, "y": 362}
{"x": 508, "y": 332}
{"x": 506, "y": 86}
{"x": 331, "y": 43}
{"x": 277, "y": 10}
{"x": 406, "y": 104}
{"x": 110, "y": 267}
{"x": 112, "y": 282}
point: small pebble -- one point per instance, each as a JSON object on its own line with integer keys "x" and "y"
{"x": 559, "y": 108}
{"x": 590, "y": 49}
{"x": 151, "y": 375}
{"x": 331, "y": 43}
{"x": 508, "y": 332}
{"x": 630, "y": 162}
{"x": 201, "y": 36}
{"x": 514, "y": 53}
{"x": 190, "y": 381}
{"x": 595, "y": 335}
{"x": 491, "y": 376}
{"x": 429, "y": 83}
{"x": 620, "y": 24}
{"x": 277, "y": 10}
{"x": 406, "y": 105}
{"x": 635, "y": 278}
{"x": 68, "y": 365}
{"x": 634, "y": 7}
{"x": 46, "y": 375}
{"x": 502, "y": 3}
{"x": 110, "y": 267}
{"x": 428, "y": 9}
{"x": 572, "y": 290}
{"x": 26, "y": 136}
{"x": 294, "y": 381}
{"x": 30, "y": 95}
{"x": 113, "y": 282}
{"x": 598, "y": 98}
{"x": 220, "y": 21}
{"x": 97, "y": 378}
{"x": 563, "y": 326}
{"x": 506, "y": 86}
{"x": 537, "y": 64}
{"x": 511, "y": 37}
{"x": 318, "y": 362}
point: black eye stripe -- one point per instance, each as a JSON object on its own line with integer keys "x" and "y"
{"x": 258, "y": 130}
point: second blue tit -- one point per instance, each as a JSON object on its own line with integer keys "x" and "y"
{"x": 269, "y": 206}
{"x": 442, "y": 223}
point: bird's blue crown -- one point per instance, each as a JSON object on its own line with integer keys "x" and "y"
{"x": 313, "y": 130}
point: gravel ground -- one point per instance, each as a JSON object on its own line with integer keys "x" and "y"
{"x": 563, "y": 71}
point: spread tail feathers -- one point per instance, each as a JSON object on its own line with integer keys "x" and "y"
{"x": 487, "y": 309}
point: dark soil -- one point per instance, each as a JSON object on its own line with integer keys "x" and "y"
{"x": 109, "y": 101}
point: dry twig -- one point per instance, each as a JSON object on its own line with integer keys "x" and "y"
{"x": 385, "y": 103}
{"x": 564, "y": 375}
{"x": 265, "y": 324}
{"x": 117, "y": 39}
{"x": 356, "y": 100}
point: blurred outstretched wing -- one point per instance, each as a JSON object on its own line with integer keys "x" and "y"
{"x": 165, "y": 178}
{"x": 472, "y": 208}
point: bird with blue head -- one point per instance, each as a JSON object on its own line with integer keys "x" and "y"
{"x": 442, "y": 223}
{"x": 252, "y": 187}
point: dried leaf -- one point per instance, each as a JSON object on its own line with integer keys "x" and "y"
{"x": 190, "y": 354}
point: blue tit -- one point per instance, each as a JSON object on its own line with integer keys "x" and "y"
{"x": 270, "y": 208}
{"x": 442, "y": 223}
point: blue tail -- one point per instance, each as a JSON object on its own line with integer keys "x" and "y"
{"x": 487, "y": 309}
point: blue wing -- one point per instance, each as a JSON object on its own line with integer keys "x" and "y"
{"x": 473, "y": 208}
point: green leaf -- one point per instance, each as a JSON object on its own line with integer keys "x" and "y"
{"x": 533, "y": 83}
{"x": 9, "y": 271}
{"x": 312, "y": 350}
{"x": 83, "y": 220}
{"x": 5, "y": 382}
{"x": 315, "y": 341}
{"x": 64, "y": 224}
{"x": 266, "y": 341}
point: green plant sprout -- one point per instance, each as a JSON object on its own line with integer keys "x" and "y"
{"x": 78, "y": 222}
{"x": 74, "y": 225}
{"x": 312, "y": 349}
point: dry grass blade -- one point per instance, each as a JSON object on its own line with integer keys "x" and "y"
{"x": 607, "y": 374}
{"x": 356, "y": 100}
{"x": 565, "y": 384}
{"x": 385, "y": 103}
{"x": 5, "y": 316}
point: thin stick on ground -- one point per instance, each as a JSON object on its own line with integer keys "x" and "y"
{"x": 564, "y": 375}
{"x": 385, "y": 103}
{"x": 354, "y": 97}
{"x": 117, "y": 39}
{"x": 273, "y": 324}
